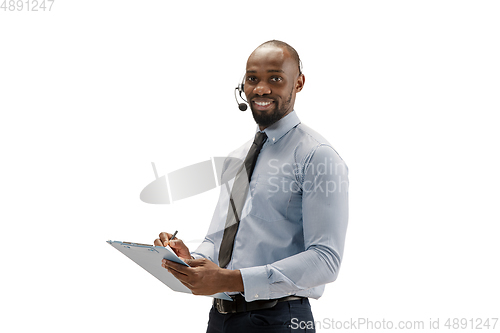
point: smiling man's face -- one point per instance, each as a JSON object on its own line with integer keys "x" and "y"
{"x": 271, "y": 83}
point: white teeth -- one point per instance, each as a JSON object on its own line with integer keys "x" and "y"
{"x": 262, "y": 103}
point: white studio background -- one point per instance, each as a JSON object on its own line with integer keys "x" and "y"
{"x": 92, "y": 92}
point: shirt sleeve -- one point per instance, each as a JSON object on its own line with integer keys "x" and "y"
{"x": 324, "y": 183}
{"x": 204, "y": 250}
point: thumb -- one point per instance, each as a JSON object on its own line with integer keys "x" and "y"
{"x": 195, "y": 262}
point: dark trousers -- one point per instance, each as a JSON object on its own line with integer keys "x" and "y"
{"x": 291, "y": 316}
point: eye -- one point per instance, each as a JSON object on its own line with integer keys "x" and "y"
{"x": 276, "y": 79}
{"x": 251, "y": 79}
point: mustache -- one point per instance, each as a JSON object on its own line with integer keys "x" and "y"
{"x": 253, "y": 98}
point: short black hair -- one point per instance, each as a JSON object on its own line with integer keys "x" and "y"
{"x": 290, "y": 49}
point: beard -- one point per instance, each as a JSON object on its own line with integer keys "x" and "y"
{"x": 266, "y": 120}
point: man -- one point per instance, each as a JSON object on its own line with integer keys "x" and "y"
{"x": 288, "y": 234}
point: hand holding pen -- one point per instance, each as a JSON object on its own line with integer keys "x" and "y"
{"x": 177, "y": 245}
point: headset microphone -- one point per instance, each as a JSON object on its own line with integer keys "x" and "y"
{"x": 241, "y": 106}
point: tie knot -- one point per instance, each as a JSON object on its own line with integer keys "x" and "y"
{"x": 260, "y": 138}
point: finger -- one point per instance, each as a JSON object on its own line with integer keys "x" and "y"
{"x": 158, "y": 242}
{"x": 177, "y": 243}
{"x": 187, "y": 285}
{"x": 181, "y": 277}
{"x": 170, "y": 267}
{"x": 177, "y": 267}
{"x": 164, "y": 237}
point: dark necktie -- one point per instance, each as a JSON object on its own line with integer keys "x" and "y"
{"x": 237, "y": 199}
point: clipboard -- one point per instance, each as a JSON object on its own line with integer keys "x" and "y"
{"x": 149, "y": 257}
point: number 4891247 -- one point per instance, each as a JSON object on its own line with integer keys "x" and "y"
{"x": 27, "y": 5}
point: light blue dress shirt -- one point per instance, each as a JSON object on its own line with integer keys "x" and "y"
{"x": 291, "y": 236}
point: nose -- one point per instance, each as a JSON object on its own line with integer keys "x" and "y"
{"x": 262, "y": 88}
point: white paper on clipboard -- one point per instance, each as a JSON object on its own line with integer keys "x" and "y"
{"x": 149, "y": 257}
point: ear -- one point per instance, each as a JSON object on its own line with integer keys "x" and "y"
{"x": 301, "y": 80}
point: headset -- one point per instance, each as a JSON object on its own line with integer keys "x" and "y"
{"x": 241, "y": 89}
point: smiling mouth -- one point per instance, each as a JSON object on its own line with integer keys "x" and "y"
{"x": 263, "y": 105}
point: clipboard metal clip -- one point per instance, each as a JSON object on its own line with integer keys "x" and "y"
{"x": 138, "y": 246}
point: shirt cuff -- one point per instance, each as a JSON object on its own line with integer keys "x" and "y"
{"x": 255, "y": 283}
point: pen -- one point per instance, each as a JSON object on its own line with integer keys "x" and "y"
{"x": 173, "y": 236}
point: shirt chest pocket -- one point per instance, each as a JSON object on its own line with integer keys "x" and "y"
{"x": 271, "y": 196}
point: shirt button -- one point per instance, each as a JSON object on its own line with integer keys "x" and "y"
{"x": 256, "y": 295}
{"x": 289, "y": 293}
{"x": 274, "y": 139}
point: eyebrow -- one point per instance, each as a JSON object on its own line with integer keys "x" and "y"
{"x": 269, "y": 71}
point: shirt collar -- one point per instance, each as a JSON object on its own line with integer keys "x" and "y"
{"x": 281, "y": 127}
